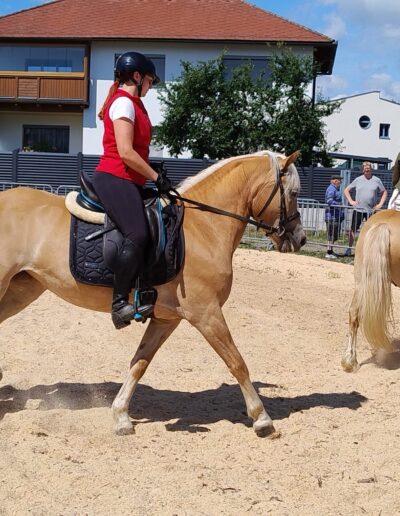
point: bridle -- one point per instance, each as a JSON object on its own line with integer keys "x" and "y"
{"x": 284, "y": 220}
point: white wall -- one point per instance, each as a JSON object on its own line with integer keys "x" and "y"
{"x": 11, "y": 123}
{"x": 366, "y": 142}
{"x": 101, "y": 73}
{"x": 86, "y": 130}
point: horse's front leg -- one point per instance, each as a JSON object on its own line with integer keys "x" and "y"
{"x": 349, "y": 358}
{"x": 213, "y": 327}
{"x": 156, "y": 334}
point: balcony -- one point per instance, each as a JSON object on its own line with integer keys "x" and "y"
{"x": 43, "y": 88}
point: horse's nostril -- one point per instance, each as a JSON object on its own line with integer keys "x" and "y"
{"x": 303, "y": 241}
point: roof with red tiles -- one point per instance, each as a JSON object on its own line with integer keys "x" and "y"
{"x": 202, "y": 20}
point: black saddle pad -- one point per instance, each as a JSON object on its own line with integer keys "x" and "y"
{"x": 86, "y": 257}
{"x": 161, "y": 265}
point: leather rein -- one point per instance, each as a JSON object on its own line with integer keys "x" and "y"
{"x": 280, "y": 229}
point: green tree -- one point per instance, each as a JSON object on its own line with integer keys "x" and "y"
{"x": 297, "y": 122}
{"x": 210, "y": 115}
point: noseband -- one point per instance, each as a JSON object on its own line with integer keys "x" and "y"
{"x": 284, "y": 220}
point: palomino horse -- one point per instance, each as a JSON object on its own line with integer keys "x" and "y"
{"x": 34, "y": 236}
{"x": 376, "y": 267}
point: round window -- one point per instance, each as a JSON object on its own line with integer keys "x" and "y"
{"x": 365, "y": 122}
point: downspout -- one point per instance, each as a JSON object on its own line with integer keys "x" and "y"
{"x": 314, "y": 85}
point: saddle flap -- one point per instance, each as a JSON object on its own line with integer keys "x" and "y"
{"x": 154, "y": 216}
{"x": 112, "y": 243}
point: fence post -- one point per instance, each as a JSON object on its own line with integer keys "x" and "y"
{"x": 79, "y": 165}
{"x": 310, "y": 182}
{"x": 14, "y": 168}
{"x": 346, "y": 177}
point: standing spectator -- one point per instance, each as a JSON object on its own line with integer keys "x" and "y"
{"x": 396, "y": 173}
{"x": 370, "y": 196}
{"x": 334, "y": 213}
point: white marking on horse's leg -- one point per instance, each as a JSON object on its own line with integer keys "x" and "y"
{"x": 263, "y": 424}
{"x": 349, "y": 358}
{"x": 214, "y": 329}
{"x": 156, "y": 334}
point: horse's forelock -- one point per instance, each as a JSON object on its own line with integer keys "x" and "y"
{"x": 292, "y": 181}
{"x": 292, "y": 184}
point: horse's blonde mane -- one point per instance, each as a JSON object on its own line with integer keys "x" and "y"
{"x": 292, "y": 183}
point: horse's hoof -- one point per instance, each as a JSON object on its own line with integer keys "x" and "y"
{"x": 264, "y": 427}
{"x": 267, "y": 431}
{"x": 350, "y": 367}
{"x": 124, "y": 429}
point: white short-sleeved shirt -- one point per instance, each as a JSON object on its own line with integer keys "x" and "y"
{"x": 122, "y": 107}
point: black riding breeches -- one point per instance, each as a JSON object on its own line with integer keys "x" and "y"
{"x": 123, "y": 202}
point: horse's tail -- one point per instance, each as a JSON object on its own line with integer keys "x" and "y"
{"x": 374, "y": 293}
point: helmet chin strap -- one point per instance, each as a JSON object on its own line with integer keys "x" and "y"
{"x": 139, "y": 84}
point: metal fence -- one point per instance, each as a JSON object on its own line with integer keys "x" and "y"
{"x": 63, "y": 169}
{"x": 312, "y": 216}
{"x": 317, "y": 229}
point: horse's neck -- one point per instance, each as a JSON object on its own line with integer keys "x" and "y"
{"x": 227, "y": 190}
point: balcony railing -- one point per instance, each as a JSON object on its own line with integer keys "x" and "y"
{"x": 41, "y": 87}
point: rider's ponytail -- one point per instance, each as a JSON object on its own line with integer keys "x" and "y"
{"x": 112, "y": 91}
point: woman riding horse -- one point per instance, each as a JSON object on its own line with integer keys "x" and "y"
{"x": 261, "y": 188}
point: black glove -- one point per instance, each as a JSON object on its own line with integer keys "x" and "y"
{"x": 163, "y": 184}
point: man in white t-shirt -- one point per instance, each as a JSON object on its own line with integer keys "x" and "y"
{"x": 370, "y": 196}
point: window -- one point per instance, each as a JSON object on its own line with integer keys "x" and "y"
{"x": 159, "y": 63}
{"x": 260, "y": 66}
{"x": 384, "y": 131}
{"x": 45, "y": 138}
{"x": 365, "y": 122}
{"x": 42, "y": 59}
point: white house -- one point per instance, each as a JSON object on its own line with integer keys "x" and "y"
{"x": 56, "y": 60}
{"x": 368, "y": 125}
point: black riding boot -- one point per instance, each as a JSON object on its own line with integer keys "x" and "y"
{"x": 126, "y": 270}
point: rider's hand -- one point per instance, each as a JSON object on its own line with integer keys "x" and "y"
{"x": 163, "y": 184}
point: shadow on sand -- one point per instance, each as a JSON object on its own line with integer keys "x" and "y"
{"x": 191, "y": 410}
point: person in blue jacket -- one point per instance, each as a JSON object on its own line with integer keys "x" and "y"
{"x": 334, "y": 213}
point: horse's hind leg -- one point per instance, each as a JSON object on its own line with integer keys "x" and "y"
{"x": 20, "y": 292}
{"x": 156, "y": 334}
{"x": 214, "y": 329}
{"x": 17, "y": 294}
{"x": 349, "y": 358}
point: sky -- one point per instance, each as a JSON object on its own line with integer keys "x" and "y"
{"x": 367, "y": 31}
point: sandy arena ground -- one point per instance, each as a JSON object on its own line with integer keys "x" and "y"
{"x": 194, "y": 451}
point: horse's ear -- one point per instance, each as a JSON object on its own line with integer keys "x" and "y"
{"x": 289, "y": 160}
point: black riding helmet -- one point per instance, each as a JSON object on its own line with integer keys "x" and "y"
{"x": 134, "y": 62}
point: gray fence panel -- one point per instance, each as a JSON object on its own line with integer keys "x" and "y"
{"x": 89, "y": 163}
{"x": 49, "y": 168}
{"x": 63, "y": 169}
{"x": 6, "y": 166}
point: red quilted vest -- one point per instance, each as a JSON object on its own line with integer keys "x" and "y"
{"x": 110, "y": 161}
